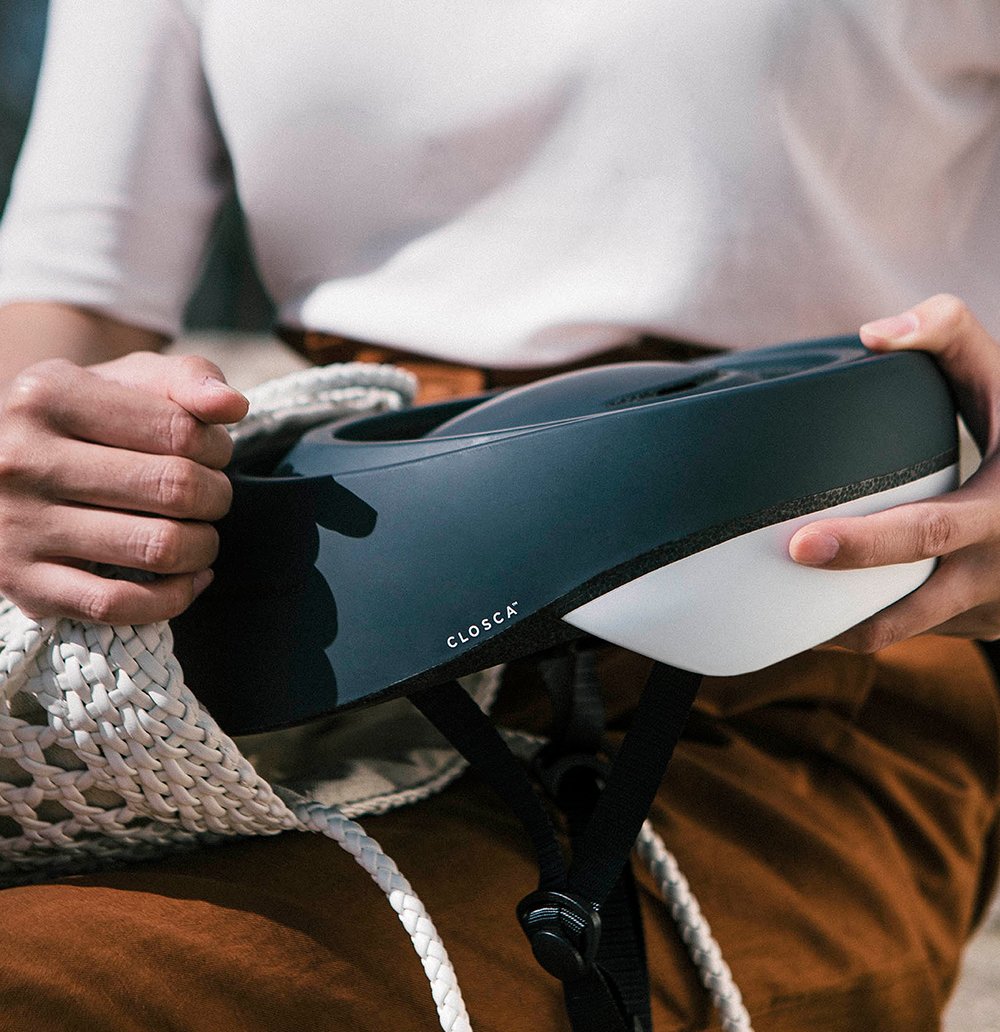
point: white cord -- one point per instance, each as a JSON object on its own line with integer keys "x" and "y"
{"x": 674, "y": 889}
{"x": 694, "y": 930}
{"x": 302, "y": 399}
{"x": 410, "y": 910}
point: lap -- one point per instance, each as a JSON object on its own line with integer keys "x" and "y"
{"x": 832, "y": 815}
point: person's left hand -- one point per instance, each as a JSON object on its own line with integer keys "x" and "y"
{"x": 962, "y": 528}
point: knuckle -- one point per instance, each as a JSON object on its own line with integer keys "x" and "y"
{"x": 158, "y": 548}
{"x": 875, "y": 636}
{"x": 20, "y": 536}
{"x": 176, "y": 489}
{"x": 34, "y": 389}
{"x": 951, "y": 320}
{"x": 937, "y": 532}
{"x": 873, "y": 550}
{"x": 99, "y": 604}
{"x": 111, "y": 603}
{"x": 951, "y": 311}
{"x": 14, "y": 464}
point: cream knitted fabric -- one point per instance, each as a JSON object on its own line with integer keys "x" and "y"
{"x": 105, "y": 753}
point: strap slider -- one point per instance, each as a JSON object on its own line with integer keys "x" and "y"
{"x": 570, "y": 779}
{"x": 564, "y": 932}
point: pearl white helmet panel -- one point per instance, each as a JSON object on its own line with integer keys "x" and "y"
{"x": 743, "y": 604}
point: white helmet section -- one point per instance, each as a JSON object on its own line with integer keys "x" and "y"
{"x": 744, "y": 604}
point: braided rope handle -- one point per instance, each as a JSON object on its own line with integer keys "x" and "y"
{"x": 293, "y": 403}
{"x": 694, "y": 930}
{"x": 412, "y": 914}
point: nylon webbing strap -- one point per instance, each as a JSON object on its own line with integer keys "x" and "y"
{"x": 592, "y": 1004}
{"x": 563, "y": 919}
{"x": 455, "y": 714}
{"x": 633, "y": 780}
{"x": 573, "y": 772}
{"x": 621, "y": 952}
{"x": 573, "y": 685}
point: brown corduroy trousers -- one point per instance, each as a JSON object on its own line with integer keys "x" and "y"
{"x": 836, "y": 816}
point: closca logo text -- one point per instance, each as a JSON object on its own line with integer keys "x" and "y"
{"x": 488, "y": 623}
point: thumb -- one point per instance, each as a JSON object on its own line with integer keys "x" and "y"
{"x": 192, "y": 382}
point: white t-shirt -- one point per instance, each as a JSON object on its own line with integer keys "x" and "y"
{"x": 513, "y": 182}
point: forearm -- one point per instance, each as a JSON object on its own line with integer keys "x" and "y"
{"x": 32, "y": 331}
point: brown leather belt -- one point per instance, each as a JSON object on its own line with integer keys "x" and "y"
{"x": 442, "y": 380}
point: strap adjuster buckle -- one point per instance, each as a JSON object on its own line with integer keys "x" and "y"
{"x": 564, "y": 932}
{"x": 568, "y": 779}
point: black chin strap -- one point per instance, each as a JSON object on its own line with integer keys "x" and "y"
{"x": 583, "y": 923}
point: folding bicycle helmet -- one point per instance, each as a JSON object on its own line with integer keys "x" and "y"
{"x": 649, "y": 505}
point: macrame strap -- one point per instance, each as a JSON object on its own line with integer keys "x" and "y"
{"x": 694, "y": 930}
{"x": 350, "y": 836}
{"x": 563, "y": 917}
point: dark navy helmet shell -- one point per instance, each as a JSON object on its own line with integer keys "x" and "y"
{"x": 649, "y": 504}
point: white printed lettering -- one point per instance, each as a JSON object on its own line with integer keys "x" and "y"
{"x": 486, "y": 624}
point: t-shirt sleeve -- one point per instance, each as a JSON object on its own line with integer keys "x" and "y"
{"x": 123, "y": 168}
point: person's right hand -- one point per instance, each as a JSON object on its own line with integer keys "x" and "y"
{"x": 116, "y": 463}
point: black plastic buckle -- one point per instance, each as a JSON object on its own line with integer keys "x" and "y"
{"x": 564, "y": 932}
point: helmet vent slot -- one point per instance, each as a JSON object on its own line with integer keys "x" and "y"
{"x": 665, "y": 390}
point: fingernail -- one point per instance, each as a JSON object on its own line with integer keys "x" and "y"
{"x": 213, "y": 383}
{"x": 202, "y": 579}
{"x": 815, "y": 549}
{"x": 897, "y": 329}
